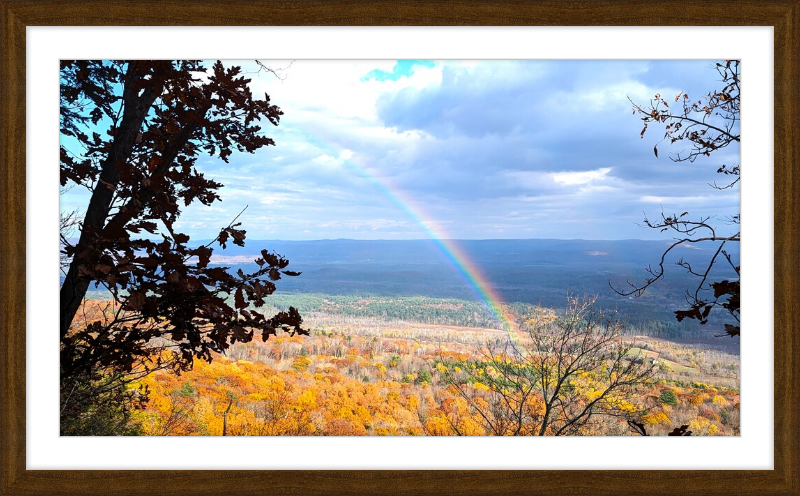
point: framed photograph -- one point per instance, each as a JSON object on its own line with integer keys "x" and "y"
{"x": 419, "y": 177}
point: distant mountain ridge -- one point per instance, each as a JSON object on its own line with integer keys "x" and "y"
{"x": 528, "y": 271}
{"x": 535, "y": 271}
{"x": 534, "y": 251}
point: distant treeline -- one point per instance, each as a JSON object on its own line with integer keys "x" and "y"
{"x": 471, "y": 313}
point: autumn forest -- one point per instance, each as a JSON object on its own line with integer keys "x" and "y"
{"x": 368, "y": 375}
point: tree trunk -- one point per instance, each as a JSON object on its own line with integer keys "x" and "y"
{"x": 225, "y": 419}
{"x": 135, "y": 109}
{"x": 545, "y": 419}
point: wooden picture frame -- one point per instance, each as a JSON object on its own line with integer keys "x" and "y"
{"x": 784, "y": 16}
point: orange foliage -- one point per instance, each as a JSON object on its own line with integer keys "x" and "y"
{"x": 321, "y": 386}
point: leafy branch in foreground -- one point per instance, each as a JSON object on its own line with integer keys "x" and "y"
{"x": 131, "y": 134}
{"x": 707, "y": 126}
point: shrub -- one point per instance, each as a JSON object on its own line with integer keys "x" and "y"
{"x": 187, "y": 391}
{"x": 709, "y": 413}
{"x": 699, "y": 424}
{"x": 696, "y": 399}
{"x": 669, "y": 398}
{"x": 719, "y": 400}
{"x": 423, "y": 376}
{"x": 654, "y": 418}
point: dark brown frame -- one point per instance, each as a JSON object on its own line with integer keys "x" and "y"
{"x": 783, "y": 15}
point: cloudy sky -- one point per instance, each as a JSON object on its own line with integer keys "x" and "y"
{"x": 463, "y": 150}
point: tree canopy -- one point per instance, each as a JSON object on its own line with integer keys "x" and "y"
{"x": 132, "y": 132}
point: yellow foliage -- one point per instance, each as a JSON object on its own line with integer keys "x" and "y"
{"x": 697, "y": 399}
{"x": 698, "y": 424}
{"x": 469, "y": 427}
{"x": 301, "y": 363}
{"x": 306, "y": 401}
{"x": 719, "y": 400}
{"x": 437, "y": 425}
{"x": 593, "y": 394}
{"x": 621, "y": 405}
{"x": 654, "y": 418}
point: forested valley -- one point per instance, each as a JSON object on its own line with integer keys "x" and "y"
{"x": 411, "y": 366}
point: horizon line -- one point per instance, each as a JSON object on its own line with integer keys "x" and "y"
{"x": 74, "y": 240}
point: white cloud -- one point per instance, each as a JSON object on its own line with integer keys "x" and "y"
{"x": 673, "y": 200}
{"x": 582, "y": 177}
{"x": 485, "y": 148}
{"x": 369, "y": 224}
{"x": 335, "y": 88}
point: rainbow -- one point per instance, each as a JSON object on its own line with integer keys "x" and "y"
{"x": 448, "y": 248}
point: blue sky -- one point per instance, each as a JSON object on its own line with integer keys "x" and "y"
{"x": 474, "y": 149}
